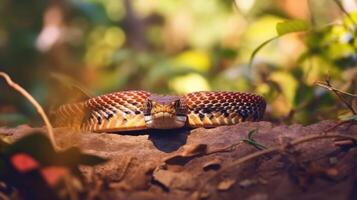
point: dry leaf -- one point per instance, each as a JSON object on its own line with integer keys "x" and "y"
{"x": 187, "y": 154}
{"x": 194, "y": 149}
{"x": 169, "y": 179}
{"x": 247, "y": 183}
{"x": 54, "y": 174}
{"x": 120, "y": 186}
{"x": 200, "y": 195}
{"x": 164, "y": 177}
{"x": 226, "y": 184}
{"x": 177, "y": 160}
{"x": 332, "y": 172}
{"x": 214, "y": 164}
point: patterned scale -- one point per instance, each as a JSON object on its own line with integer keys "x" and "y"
{"x": 124, "y": 111}
{"x": 70, "y": 115}
{"x": 210, "y": 109}
{"x": 120, "y": 109}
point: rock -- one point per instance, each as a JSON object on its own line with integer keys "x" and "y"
{"x": 140, "y": 167}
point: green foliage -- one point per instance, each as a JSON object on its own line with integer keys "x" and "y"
{"x": 178, "y": 47}
{"x": 282, "y": 28}
{"x": 291, "y": 26}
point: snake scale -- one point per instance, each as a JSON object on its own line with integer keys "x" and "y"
{"x": 140, "y": 110}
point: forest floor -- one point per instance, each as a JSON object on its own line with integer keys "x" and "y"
{"x": 251, "y": 160}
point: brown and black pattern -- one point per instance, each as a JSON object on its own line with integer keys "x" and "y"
{"x": 119, "y": 110}
{"x": 123, "y": 111}
{"x": 210, "y": 109}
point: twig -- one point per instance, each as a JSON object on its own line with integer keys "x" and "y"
{"x": 328, "y": 86}
{"x": 344, "y": 143}
{"x": 322, "y": 84}
{"x": 337, "y": 125}
{"x": 337, "y": 92}
{"x": 272, "y": 150}
{"x": 340, "y": 6}
{"x": 342, "y": 98}
{"x": 231, "y": 147}
{"x": 37, "y": 106}
{"x": 312, "y": 18}
{"x": 225, "y": 149}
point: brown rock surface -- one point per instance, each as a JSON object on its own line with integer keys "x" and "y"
{"x": 183, "y": 164}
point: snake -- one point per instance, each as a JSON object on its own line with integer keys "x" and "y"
{"x": 140, "y": 110}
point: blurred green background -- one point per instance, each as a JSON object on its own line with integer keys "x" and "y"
{"x": 175, "y": 47}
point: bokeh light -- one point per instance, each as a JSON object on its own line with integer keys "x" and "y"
{"x": 176, "y": 47}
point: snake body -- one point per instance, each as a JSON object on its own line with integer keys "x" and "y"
{"x": 140, "y": 110}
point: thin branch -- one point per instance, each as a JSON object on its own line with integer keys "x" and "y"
{"x": 276, "y": 149}
{"x": 342, "y": 98}
{"x": 340, "y": 6}
{"x": 338, "y": 124}
{"x": 236, "y": 5}
{"x": 225, "y": 149}
{"x": 337, "y": 92}
{"x": 322, "y": 84}
{"x": 37, "y": 106}
{"x": 312, "y": 18}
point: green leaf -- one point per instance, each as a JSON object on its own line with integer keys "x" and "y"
{"x": 250, "y": 140}
{"x": 251, "y": 133}
{"x": 282, "y": 28}
{"x": 228, "y": 53}
{"x": 291, "y": 26}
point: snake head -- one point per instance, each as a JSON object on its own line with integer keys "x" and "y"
{"x": 165, "y": 112}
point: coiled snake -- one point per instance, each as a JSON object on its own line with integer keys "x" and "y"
{"x": 139, "y": 110}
